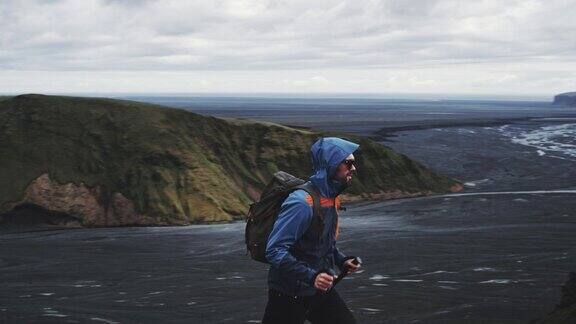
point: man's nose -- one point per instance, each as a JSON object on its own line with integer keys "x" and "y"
{"x": 353, "y": 168}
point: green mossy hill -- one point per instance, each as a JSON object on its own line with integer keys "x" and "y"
{"x": 103, "y": 161}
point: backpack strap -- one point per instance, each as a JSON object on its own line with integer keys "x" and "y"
{"x": 315, "y": 194}
{"x": 318, "y": 219}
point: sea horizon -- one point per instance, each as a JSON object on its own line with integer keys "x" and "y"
{"x": 309, "y": 95}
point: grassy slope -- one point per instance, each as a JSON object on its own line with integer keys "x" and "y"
{"x": 178, "y": 167}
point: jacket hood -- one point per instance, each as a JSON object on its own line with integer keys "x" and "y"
{"x": 327, "y": 154}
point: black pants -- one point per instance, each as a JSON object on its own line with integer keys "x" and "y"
{"x": 318, "y": 309}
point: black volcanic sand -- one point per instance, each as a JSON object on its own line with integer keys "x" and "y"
{"x": 498, "y": 252}
{"x": 487, "y": 158}
{"x": 485, "y": 259}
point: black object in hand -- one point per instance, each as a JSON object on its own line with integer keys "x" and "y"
{"x": 356, "y": 261}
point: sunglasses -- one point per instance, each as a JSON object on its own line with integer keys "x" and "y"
{"x": 350, "y": 163}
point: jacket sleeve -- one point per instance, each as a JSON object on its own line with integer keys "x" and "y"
{"x": 293, "y": 219}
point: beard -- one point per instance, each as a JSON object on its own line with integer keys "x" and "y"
{"x": 345, "y": 179}
{"x": 343, "y": 182}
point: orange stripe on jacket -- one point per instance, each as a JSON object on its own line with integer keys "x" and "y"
{"x": 328, "y": 202}
{"x": 324, "y": 201}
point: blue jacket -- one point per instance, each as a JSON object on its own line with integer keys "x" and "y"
{"x": 297, "y": 256}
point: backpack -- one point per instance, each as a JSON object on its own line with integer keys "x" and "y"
{"x": 263, "y": 213}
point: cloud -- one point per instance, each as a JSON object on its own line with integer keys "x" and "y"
{"x": 270, "y": 37}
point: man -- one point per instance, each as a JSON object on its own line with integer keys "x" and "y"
{"x": 299, "y": 278}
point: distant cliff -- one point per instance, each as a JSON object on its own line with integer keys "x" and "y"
{"x": 566, "y": 99}
{"x": 106, "y": 162}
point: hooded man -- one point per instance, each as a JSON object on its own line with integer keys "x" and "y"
{"x": 302, "y": 263}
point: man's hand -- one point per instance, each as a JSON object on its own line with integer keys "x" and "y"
{"x": 350, "y": 266}
{"x": 323, "y": 281}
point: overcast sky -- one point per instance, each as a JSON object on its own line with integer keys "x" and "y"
{"x": 520, "y": 47}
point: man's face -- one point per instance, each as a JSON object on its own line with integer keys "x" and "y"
{"x": 346, "y": 169}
